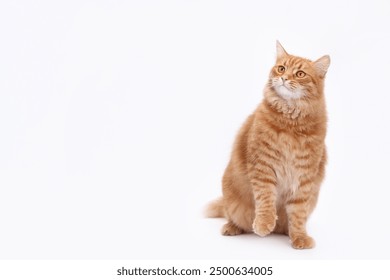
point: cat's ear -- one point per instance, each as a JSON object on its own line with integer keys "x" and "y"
{"x": 280, "y": 51}
{"x": 322, "y": 64}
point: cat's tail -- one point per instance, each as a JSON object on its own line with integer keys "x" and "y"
{"x": 215, "y": 209}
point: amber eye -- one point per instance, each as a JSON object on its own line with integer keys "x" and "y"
{"x": 281, "y": 68}
{"x": 300, "y": 74}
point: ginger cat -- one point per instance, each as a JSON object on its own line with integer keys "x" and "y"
{"x": 272, "y": 181}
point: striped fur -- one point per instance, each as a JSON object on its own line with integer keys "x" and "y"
{"x": 272, "y": 181}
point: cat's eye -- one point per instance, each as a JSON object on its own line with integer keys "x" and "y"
{"x": 300, "y": 74}
{"x": 281, "y": 68}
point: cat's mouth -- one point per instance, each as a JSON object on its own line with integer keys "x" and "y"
{"x": 285, "y": 86}
{"x": 285, "y": 90}
{"x": 287, "y": 93}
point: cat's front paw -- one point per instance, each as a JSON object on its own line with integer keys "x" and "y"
{"x": 264, "y": 224}
{"x": 230, "y": 229}
{"x": 302, "y": 242}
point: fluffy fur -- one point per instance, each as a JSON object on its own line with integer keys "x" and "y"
{"x": 272, "y": 181}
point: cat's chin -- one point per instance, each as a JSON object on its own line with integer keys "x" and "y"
{"x": 287, "y": 94}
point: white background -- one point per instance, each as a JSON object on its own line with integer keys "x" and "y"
{"x": 117, "y": 120}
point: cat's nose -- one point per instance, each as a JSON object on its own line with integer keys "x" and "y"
{"x": 284, "y": 78}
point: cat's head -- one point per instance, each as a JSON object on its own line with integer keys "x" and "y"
{"x": 295, "y": 77}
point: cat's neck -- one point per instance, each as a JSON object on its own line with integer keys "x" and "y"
{"x": 298, "y": 116}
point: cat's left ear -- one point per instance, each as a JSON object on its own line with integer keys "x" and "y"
{"x": 322, "y": 64}
{"x": 280, "y": 51}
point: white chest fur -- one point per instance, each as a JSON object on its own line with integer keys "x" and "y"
{"x": 287, "y": 177}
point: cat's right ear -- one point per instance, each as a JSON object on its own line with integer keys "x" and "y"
{"x": 280, "y": 51}
{"x": 322, "y": 64}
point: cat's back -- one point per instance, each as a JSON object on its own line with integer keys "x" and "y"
{"x": 241, "y": 151}
{"x": 235, "y": 182}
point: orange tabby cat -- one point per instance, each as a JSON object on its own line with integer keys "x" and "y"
{"x": 272, "y": 181}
